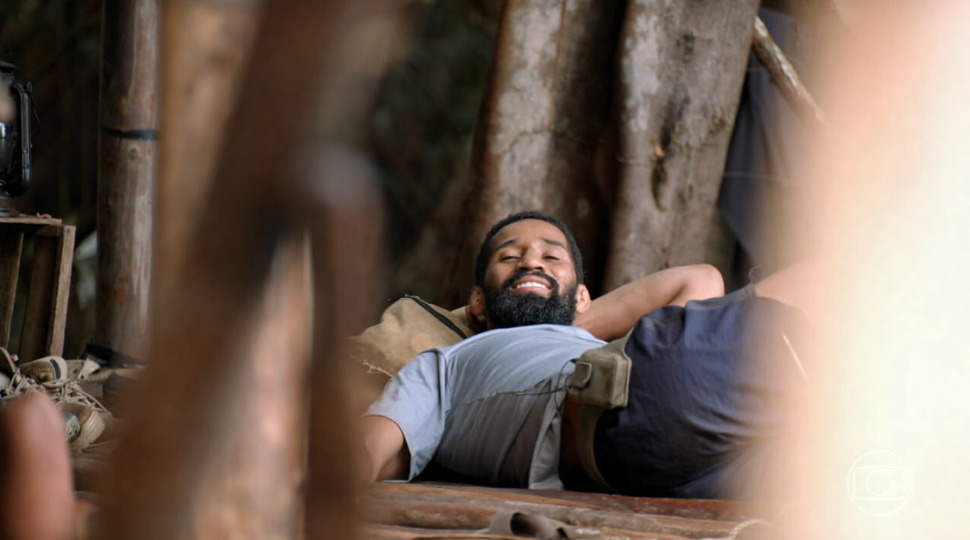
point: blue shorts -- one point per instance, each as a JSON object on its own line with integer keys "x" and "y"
{"x": 701, "y": 407}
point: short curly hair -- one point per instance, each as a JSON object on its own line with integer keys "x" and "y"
{"x": 485, "y": 251}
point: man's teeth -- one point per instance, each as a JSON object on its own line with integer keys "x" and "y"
{"x": 530, "y": 285}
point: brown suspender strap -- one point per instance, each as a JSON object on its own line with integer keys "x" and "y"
{"x": 588, "y": 417}
{"x": 601, "y": 381}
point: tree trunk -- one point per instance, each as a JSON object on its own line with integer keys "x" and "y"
{"x": 616, "y": 121}
{"x": 127, "y": 173}
{"x": 547, "y": 102}
{"x": 681, "y": 71}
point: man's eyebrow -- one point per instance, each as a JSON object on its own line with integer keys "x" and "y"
{"x": 556, "y": 243}
{"x": 505, "y": 243}
{"x": 549, "y": 241}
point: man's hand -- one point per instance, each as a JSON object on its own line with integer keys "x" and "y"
{"x": 612, "y": 315}
{"x": 387, "y": 456}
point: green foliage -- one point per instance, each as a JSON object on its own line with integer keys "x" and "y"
{"x": 428, "y": 108}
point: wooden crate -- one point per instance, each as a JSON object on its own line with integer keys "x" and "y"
{"x": 48, "y": 280}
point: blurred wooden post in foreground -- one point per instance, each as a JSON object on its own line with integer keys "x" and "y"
{"x": 227, "y": 319}
{"x": 206, "y": 45}
{"x": 126, "y": 174}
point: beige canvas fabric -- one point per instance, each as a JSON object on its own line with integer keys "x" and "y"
{"x": 406, "y": 328}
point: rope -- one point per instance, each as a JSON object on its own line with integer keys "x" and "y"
{"x": 64, "y": 390}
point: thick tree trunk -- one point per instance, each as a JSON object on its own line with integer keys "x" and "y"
{"x": 640, "y": 195}
{"x": 681, "y": 71}
{"x": 126, "y": 177}
{"x": 546, "y": 105}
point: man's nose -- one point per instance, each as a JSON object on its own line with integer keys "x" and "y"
{"x": 531, "y": 260}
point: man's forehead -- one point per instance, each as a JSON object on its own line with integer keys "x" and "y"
{"x": 529, "y": 230}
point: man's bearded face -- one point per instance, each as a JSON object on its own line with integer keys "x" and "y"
{"x": 506, "y": 309}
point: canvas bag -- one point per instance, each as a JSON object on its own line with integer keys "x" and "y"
{"x": 407, "y": 327}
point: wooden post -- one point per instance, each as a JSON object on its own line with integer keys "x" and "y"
{"x": 126, "y": 175}
{"x": 309, "y": 79}
{"x": 206, "y": 45}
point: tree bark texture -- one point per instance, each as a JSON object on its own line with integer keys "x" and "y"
{"x": 615, "y": 117}
{"x": 547, "y": 101}
{"x": 681, "y": 70}
{"x": 126, "y": 177}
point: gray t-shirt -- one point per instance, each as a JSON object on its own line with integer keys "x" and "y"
{"x": 488, "y": 407}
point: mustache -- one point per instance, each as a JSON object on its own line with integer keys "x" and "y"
{"x": 507, "y": 284}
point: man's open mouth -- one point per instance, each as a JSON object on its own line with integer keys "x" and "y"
{"x": 531, "y": 285}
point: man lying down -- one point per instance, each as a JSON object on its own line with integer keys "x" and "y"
{"x": 698, "y": 421}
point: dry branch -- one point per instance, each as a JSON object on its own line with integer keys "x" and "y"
{"x": 783, "y": 74}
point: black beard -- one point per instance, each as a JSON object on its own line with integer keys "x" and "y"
{"x": 507, "y": 310}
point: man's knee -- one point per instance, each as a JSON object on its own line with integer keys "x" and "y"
{"x": 37, "y": 500}
{"x": 30, "y": 418}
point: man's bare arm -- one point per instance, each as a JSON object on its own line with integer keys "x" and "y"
{"x": 387, "y": 455}
{"x": 614, "y": 314}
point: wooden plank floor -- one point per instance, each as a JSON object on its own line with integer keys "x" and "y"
{"x": 426, "y": 511}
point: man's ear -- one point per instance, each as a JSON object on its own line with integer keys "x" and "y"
{"x": 583, "y": 300}
{"x": 476, "y": 302}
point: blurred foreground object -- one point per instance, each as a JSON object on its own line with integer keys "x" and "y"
{"x": 15, "y": 144}
{"x": 881, "y": 449}
{"x": 218, "y": 445}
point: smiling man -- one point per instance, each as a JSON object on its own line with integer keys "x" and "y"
{"x": 493, "y": 408}
{"x": 529, "y": 272}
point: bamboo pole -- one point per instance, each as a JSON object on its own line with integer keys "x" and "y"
{"x": 126, "y": 173}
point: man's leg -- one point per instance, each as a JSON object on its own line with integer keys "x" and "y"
{"x": 36, "y": 501}
{"x": 704, "y": 388}
{"x": 799, "y": 285}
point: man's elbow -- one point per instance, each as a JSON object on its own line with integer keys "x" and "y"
{"x": 701, "y": 281}
{"x": 710, "y": 282}
{"x": 387, "y": 455}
